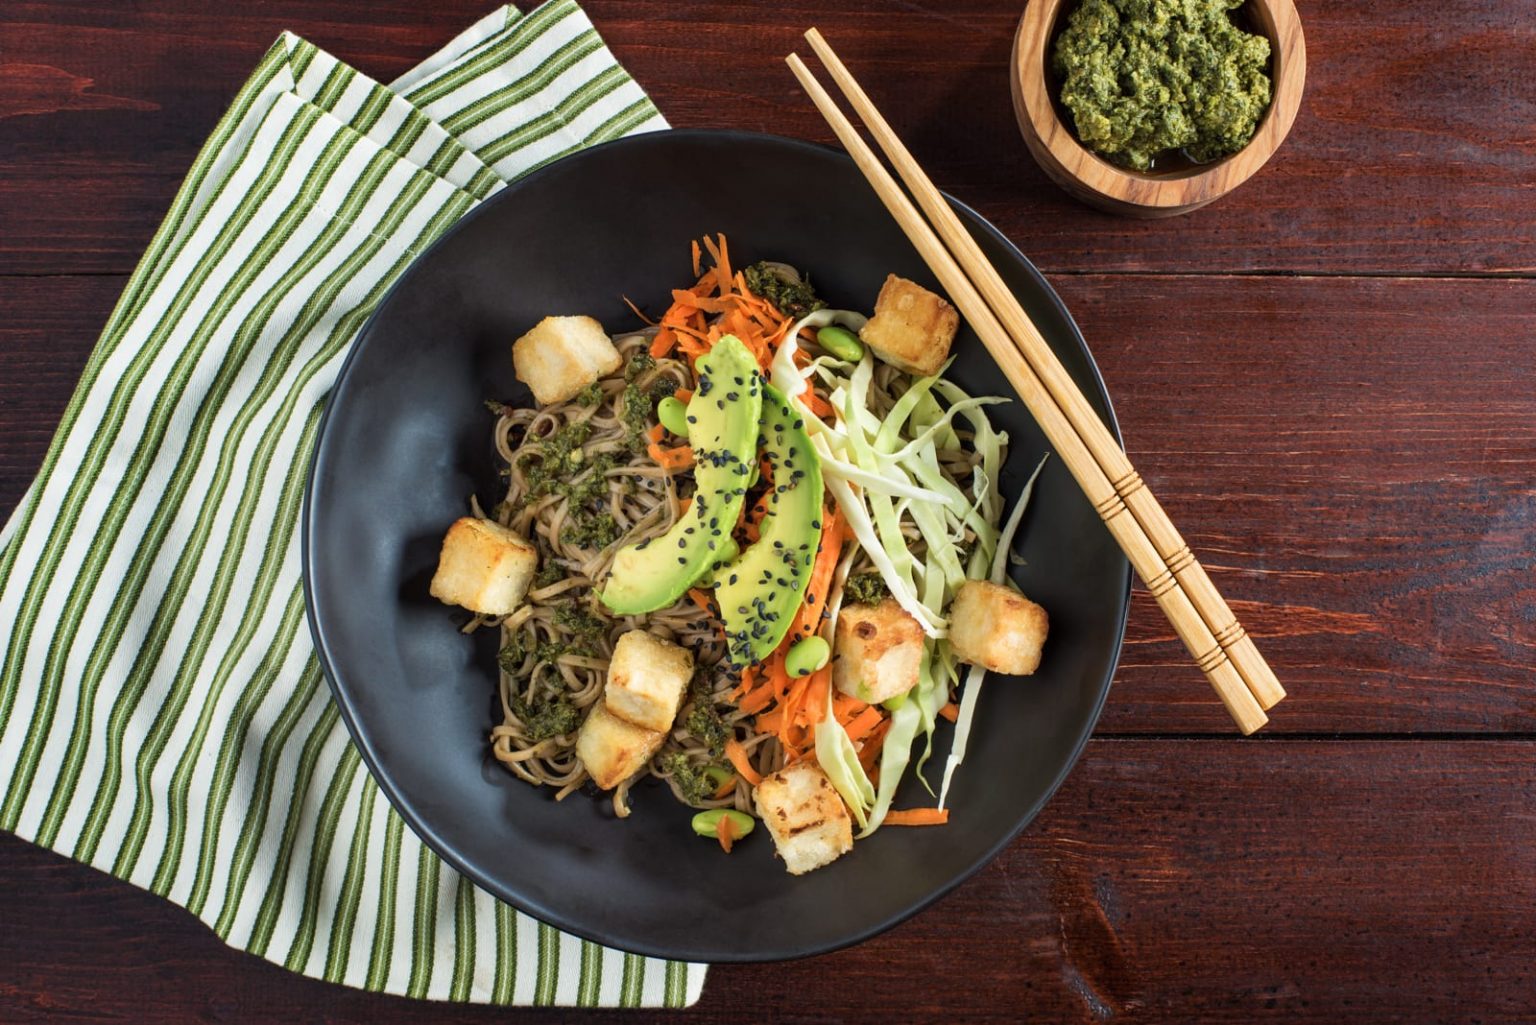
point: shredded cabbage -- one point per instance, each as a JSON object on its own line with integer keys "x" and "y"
{"x": 977, "y": 673}
{"x": 787, "y": 377}
{"x": 839, "y": 759}
{"x": 882, "y": 471}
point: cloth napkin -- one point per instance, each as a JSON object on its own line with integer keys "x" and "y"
{"x": 162, "y": 715}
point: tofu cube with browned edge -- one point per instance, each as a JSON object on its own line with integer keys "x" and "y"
{"x": 912, "y": 327}
{"x": 647, "y": 678}
{"x": 997, "y": 628}
{"x": 561, "y": 356}
{"x": 805, "y": 816}
{"x": 483, "y": 567}
{"x": 877, "y": 651}
{"x": 611, "y": 749}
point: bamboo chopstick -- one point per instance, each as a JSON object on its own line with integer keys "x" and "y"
{"x": 1127, "y": 531}
{"x": 1127, "y": 483}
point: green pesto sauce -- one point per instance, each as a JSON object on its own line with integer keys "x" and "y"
{"x": 791, "y": 298}
{"x": 1143, "y": 77}
{"x": 549, "y": 574}
{"x": 558, "y": 459}
{"x": 705, "y": 724}
{"x": 544, "y": 719}
{"x": 511, "y": 656}
{"x": 580, "y": 620}
{"x": 865, "y": 589}
{"x": 693, "y": 781}
{"x": 591, "y": 530}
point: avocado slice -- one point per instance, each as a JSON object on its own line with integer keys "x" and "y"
{"x": 723, "y": 420}
{"x": 759, "y": 592}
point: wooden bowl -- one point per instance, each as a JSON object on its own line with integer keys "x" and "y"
{"x": 1107, "y": 186}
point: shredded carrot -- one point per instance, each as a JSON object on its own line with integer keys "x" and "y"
{"x": 808, "y": 619}
{"x": 725, "y": 830}
{"x": 865, "y": 722}
{"x": 748, "y": 681}
{"x": 756, "y": 701}
{"x": 683, "y": 394}
{"x": 950, "y": 711}
{"x": 870, "y": 749}
{"x": 917, "y": 817}
{"x": 701, "y": 599}
{"x": 722, "y": 258}
{"x": 664, "y": 342}
{"x": 813, "y": 707}
{"x": 738, "y": 756}
{"x": 673, "y": 459}
{"x": 636, "y": 311}
{"x": 727, "y": 788}
{"x": 722, "y": 293}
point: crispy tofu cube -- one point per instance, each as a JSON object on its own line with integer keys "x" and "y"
{"x": 561, "y": 356}
{"x": 912, "y": 328}
{"x": 484, "y": 567}
{"x": 612, "y": 750}
{"x": 878, "y": 651}
{"x": 805, "y": 817}
{"x": 997, "y": 628}
{"x": 647, "y": 678}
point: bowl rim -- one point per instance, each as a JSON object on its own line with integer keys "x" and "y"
{"x": 1176, "y": 191}
{"x": 420, "y": 823}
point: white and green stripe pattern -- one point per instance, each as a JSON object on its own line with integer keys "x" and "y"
{"x": 162, "y": 715}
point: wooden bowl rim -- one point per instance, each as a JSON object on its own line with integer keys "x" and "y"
{"x": 1169, "y": 192}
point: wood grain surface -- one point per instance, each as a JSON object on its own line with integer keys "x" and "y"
{"x": 1326, "y": 377}
{"x": 1413, "y": 151}
{"x": 1151, "y": 889}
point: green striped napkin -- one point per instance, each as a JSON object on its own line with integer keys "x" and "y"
{"x": 162, "y": 716}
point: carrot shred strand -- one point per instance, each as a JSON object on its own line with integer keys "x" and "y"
{"x": 917, "y": 817}
{"x": 743, "y": 765}
{"x": 726, "y": 831}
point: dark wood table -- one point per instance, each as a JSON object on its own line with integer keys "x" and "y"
{"x": 1328, "y": 377}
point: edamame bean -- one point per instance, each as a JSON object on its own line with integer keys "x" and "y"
{"x": 673, "y": 414}
{"x": 806, "y": 656}
{"x": 891, "y": 704}
{"x": 706, "y": 823}
{"x": 840, "y": 342}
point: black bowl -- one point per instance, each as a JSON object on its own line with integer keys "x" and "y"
{"x": 406, "y": 441}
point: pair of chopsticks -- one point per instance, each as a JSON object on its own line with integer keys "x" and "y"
{"x": 1220, "y": 646}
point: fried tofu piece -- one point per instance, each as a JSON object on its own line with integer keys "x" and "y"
{"x": 878, "y": 651}
{"x": 997, "y": 628}
{"x": 612, "y": 750}
{"x": 805, "y": 816}
{"x": 912, "y": 327}
{"x": 647, "y": 679}
{"x": 483, "y": 567}
{"x": 562, "y": 355}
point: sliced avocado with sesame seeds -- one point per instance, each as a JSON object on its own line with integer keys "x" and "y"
{"x": 723, "y": 423}
{"x": 760, "y": 591}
